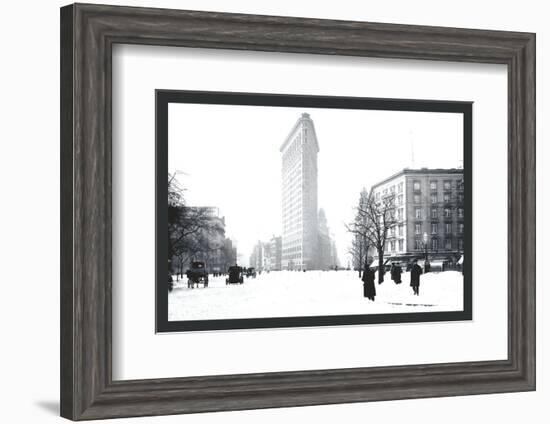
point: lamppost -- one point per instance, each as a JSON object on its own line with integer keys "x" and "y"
{"x": 425, "y": 238}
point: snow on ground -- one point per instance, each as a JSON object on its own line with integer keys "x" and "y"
{"x": 292, "y": 293}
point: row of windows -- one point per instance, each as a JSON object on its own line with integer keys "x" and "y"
{"x": 434, "y": 184}
{"x": 399, "y": 231}
{"x": 391, "y": 190}
{"x": 294, "y": 249}
{"x": 447, "y": 185}
{"x": 434, "y": 213}
{"x": 398, "y": 245}
{"x": 292, "y": 257}
{"x": 434, "y": 198}
{"x": 435, "y": 245}
{"x": 392, "y": 245}
{"x": 448, "y": 228}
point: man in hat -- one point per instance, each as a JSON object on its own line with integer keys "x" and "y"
{"x": 416, "y": 271}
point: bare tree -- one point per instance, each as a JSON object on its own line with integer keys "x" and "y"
{"x": 360, "y": 244}
{"x": 373, "y": 220}
{"x": 192, "y": 231}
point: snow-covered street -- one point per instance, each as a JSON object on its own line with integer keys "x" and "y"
{"x": 288, "y": 293}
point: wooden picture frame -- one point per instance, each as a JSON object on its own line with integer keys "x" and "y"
{"x": 88, "y": 33}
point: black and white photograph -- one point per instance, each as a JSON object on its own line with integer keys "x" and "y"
{"x": 346, "y": 211}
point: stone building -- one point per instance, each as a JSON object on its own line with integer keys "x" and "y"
{"x": 429, "y": 210}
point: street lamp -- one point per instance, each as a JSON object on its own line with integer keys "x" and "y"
{"x": 425, "y": 238}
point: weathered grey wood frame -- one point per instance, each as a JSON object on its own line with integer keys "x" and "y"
{"x": 88, "y": 33}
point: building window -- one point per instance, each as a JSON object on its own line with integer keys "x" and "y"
{"x": 460, "y": 244}
{"x": 392, "y": 189}
{"x": 400, "y": 230}
{"x": 400, "y": 188}
{"x": 385, "y": 191}
{"x": 417, "y": 198}
{"x": 448, "y": 228}
{"x": 434, "y": 244}
{"x": 446, "y": 185}
{"x": 400, "y": 199}
{"x": 418, "y": 244}
{"x": 433, "y": 185}
{"x": 392, "y": 231}
{"x": 416, "y": 185}
{"x": 434, "y": 228}
{"x": 446, "y": 197}
{"x": 460, "y": 213}
{"x": 418, "y": 213}
{"x": 400, "y": 214}
{"x": 377, "y": 196}
{"x": 434, "y": 213}
{"x": 460, "y": 228}
{"x": 400, "y": 245}
{"x": 447, "y": 212}
{"x": 461, "y": 197}
{"x": 433, "y": 198}
{"x": 392, "y": 245}
{"x": 417, "y": 228}
{"x": 448, "y": 244}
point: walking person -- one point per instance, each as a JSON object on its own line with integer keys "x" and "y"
{"x": 369, "y": 289}
{"x": 398, "y": 270}
{"x": 416, "y": 271}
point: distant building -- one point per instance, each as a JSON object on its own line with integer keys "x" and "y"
{"x": 334, "y": 260}
{"x": 266, "y": 256}
{"x": 276, "y": 253}
{"x": 429, "y": 209}
{"x": 299, "y": 196}
{"x": 327, "y": 257}
{"x": 256, "y": 257}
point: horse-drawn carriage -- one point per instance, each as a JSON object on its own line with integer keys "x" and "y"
{"x": 235, "y": 275}
{"x": 197, "y": 275}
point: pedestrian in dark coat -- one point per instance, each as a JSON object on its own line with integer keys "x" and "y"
{"x": 369, "y": 289}
{"x": 416, "y": 271}
{"x": 398, "y": 270}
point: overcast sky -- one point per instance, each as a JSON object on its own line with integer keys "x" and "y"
{"x": 229, "y": 158}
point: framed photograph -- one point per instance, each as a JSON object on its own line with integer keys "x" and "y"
{"x": 293, "y": 189}
{"x": 246, "y": 220}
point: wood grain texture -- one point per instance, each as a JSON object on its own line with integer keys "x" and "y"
{"x": 88, "y": 33}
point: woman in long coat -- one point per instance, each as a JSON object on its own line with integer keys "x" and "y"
{"x": 415, "y": 277}
{"x": 398, "y": 270}
{"x": 369, "y": 289}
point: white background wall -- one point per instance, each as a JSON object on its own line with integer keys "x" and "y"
{"x": 29, "y": 186}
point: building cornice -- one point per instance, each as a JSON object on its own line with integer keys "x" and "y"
{"x": 421, "y": 171}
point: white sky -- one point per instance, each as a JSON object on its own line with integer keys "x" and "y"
{"x": 229, "y": 158}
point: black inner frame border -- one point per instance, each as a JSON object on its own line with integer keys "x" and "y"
{"x": 164, "y": 97}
